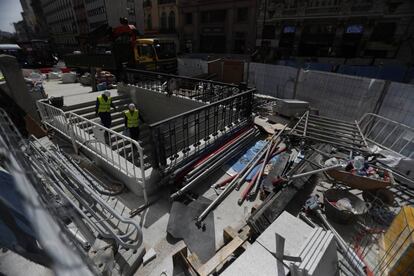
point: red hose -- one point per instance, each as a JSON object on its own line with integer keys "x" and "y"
{"x": 246, "y": 191}
{"x": 225, "y": 181}
{"x": 202, "y": 160}
{"x": 205, "y": 157}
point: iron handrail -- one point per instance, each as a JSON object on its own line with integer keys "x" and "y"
{"x": 180, "y": 77}
{"x": 68, "y": 128}
{"x": 198, "y": 109}
{"x": 179, "y": 137}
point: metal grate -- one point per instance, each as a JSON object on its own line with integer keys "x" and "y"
{"x": 337, "y": 133}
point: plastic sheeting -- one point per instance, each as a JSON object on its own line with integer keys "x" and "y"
{"x": 398, "y": 103}
{"x": 339, "y": 96}
{"x": 239, "y": 164}
{"x": 336, "y": 95}
{"x": 273, "y": 80}
{"x": 192, "y": 67}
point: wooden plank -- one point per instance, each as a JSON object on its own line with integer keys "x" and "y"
{"x": 194, "y": 261}
{"x": 180, "y": 260}
{"x": 221, "y": 256}
{"x": 229, "y": 234}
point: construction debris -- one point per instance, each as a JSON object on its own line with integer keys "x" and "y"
{"x": 273, "y": 164}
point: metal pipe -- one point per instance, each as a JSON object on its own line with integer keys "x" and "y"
{"x": 350, "y": 136}
{"x": 201, "y": 167}
{"x": 210, "y": 169}
{"x": 246, "y": 190}
{"x": 362, "y": 135}
{"x": 315, "y": 171}
{"x": 232, "y": 184}
{"x": 200, "y": 170}
{"x": 265, "y": 161}
{"x": 259, "y": 157}
{"x": 349, "y": 254}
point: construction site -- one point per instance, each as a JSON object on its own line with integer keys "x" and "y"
{"x": 240, "y": 168}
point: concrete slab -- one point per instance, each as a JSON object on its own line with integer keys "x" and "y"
{"x": 256, "y": 261}
{"x": 73, "y": 93}
{"x": 13, "y": 264}
{"x": 295, "y": 231}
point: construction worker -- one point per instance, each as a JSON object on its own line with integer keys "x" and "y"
{"x": 131, "y": 118}
{"x": 103, "y": 110}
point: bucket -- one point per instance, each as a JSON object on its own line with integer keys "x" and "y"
{"x": 339, "y": 214}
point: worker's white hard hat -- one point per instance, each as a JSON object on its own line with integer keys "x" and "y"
{"x": 107, "y": 93}
{"x": 131, "y": 106}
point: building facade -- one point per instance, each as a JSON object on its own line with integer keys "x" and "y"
{"x": 33, "y": 25}
{"x": 335, "y": 28}
{"x": 161, "y": 19}
{"x": 213, "y": 26}
{"x": 69, "y": 21}
{"x": 109, "y": 11}
{"x": 62, "y": 25}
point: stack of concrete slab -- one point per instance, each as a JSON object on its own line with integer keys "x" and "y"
{"x": 318, "y": 256}
{"x": 313, "y": 250}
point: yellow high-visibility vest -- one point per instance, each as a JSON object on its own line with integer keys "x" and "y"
{"x": 132, "y": 118}
{"x": 104, "y": 106}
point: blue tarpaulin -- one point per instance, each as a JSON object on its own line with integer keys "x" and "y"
{"x": 238, "y": 164}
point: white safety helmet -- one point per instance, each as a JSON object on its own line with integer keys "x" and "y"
{"x": 107, "y": 93}
{"x": 131, "y": 106}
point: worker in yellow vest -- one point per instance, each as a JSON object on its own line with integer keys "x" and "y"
{"x": 103, "y": 108}
{"x": 131, "y": 118}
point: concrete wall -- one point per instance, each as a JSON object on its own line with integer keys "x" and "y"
{"x": 191, "y": 67}
{"x": 339, "y": 96}
{"x": 336, "y": 95}
{"x": 158, "y": 106}
{"x": 273, "y": 80}
{"x": 398, "y": 103}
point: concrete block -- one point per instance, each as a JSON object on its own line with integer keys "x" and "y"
{"x": 149, "y": 256}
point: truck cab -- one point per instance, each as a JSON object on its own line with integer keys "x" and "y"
{"x": 156, "y": 55}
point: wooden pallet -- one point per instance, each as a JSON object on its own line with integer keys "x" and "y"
{"x": 233, "y": 241}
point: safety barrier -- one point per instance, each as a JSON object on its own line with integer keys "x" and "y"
{"x": 388, "y": 134}
{"x": 53, "y": 117}
{"x": 113, "y": 148}
{"x": 179, "y": 138}
{"x": 198, "y": 89}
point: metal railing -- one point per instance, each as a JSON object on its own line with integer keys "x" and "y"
{"x": 116, "y": 149}
{"x": 388, "y": 134}
{"x": 53, "y": 117}
{"x": 71, "y": 186}
{"x": 181, "y": 137}
{"x": 206, "y": 91}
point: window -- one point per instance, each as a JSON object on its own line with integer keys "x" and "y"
{"x": 188, "y": 18}
{"x": 146, "y": 50}
{"x": 149, "y": 22}
{"x": 217, "y": 16}
{"x": 354, "y": 29}
{"x": 171, "y": 21}
{"x": 289, "y": 29}
{"x": 163, "y": 20}
{"x": 242, "y": 14}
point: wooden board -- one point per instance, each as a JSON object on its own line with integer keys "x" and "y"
{"x": 222, "y": 255}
